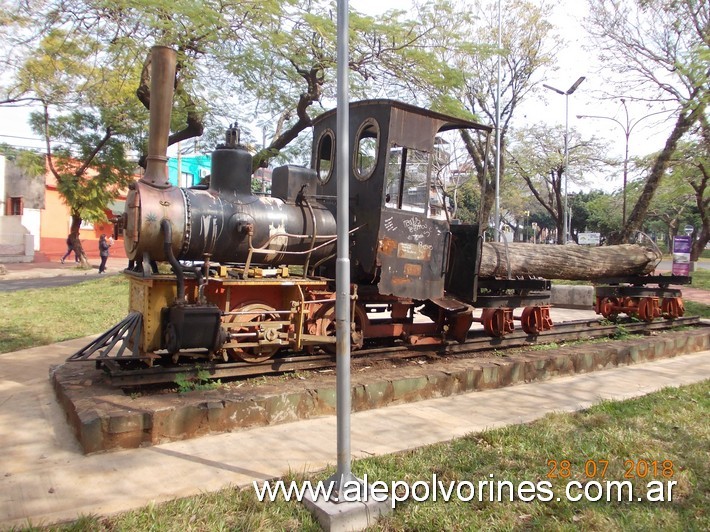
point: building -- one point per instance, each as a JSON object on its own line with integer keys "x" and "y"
{"x": 188, "y": 170}
{"x": 35, "y": 221}
{"x": 192, "y": 170}
{"x": 22, "y": 199}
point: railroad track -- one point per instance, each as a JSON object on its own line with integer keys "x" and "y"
{"x": 563, "y": 332}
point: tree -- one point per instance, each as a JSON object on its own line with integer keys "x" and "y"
{"x": 536, "y": 157}
{"x": 689, "y": 179}
{"x": 81, "y": 60}
{"x": 525, "y": 50}
{"x": 603, "y": 213}
{"x": 672, "y": 202}
{"x": 660, "y": 47}
{"x": 86, "y": 137}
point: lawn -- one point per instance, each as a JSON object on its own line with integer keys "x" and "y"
{"x": 701, "y": 279}
{"x": 30, "y": 318}
{"x": 668, "y": 428}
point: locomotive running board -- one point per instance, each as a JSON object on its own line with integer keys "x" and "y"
{"x": 125, "y": 333}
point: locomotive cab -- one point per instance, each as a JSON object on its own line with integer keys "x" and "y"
{"x": 401, "y": 235}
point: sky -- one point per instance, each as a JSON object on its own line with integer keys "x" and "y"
{"x": 546, "y": 107}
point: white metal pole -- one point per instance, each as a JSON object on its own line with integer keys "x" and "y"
{"x": 342, "y": 267}
{"x": 496, "y": 216}
{"x": 565, "y": 227}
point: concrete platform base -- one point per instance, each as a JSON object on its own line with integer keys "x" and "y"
{"x": 105, "y": 418}
{"x": 347, "y": 516}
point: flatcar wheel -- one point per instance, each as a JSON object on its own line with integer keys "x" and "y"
{"x": 608, "y": 308}
{"x": 260, "y": 319}
{"x": 536, "y": 319}
{"x": 672, "y": 307}
{"x": 648, "y": 309}
{"x": 497, "y": 322}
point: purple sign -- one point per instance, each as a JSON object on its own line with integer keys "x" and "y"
{"x": 681, "y": 268}
{"x": 682, "y": 244}
{"x": 681, "y": 255}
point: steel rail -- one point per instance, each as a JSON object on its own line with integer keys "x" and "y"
{"x": 564, "y": 332}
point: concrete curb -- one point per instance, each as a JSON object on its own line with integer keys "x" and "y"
{"x": 572, "y": 296}
{"x": 103, "y": 418}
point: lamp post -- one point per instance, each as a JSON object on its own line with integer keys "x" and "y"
{"x": 566, "y": 94}
{"x": 496, "y": 216}
{"x": 628, "y": 125}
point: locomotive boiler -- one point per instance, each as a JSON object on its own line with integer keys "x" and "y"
{"x": 264, "y": 280}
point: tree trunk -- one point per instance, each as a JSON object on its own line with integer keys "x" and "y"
{"x": 76, "y": 241}
{"x": 638, "y": 214}
{"x": 566, "y": 262}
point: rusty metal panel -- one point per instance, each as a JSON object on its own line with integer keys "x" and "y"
{"x": 412, "y": 130}
{"x": 412, "y": 254}
{"x": 463, "y": 261}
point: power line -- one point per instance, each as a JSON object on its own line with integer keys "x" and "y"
{"x": 21, "y": 138}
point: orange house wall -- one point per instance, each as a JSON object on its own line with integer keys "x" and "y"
{"x": 55, "y": 223}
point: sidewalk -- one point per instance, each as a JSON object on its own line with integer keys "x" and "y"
{"x": 44, "y": 477}
{"x": 54, "y": 268}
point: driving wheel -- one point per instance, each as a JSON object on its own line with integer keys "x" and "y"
{"x": 253, "y": 324}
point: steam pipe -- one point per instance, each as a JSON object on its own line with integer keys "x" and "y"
{"x": 162, "y": 83}
{"x": 176, "y": 266}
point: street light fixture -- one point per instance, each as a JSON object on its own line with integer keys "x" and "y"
{"x": 627, "y": 126}
{"x": 566, "y": 94}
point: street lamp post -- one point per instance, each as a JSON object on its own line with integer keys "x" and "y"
{"x": 627, "y": 126}
{"x": 566, "y": 94}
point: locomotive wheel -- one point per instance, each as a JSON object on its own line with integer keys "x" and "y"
{"x": 260, "y": 316}
{"x": 648, "y": 309}
{"x": 497, "y": 322}
{"x": 672, "y": 307}
{"x": 325, "y": 320}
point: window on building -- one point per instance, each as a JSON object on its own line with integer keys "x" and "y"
{"x": 15, "y": 206}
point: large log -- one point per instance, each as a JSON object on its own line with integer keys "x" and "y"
{"x": 566, "y": 262}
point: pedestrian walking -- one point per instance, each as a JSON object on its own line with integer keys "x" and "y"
{"x": 70, "y": 248}
{"x": 103, "y": 252}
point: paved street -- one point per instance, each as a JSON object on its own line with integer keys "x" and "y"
{"x": 46, "y": 282}
{"x": 48, "y": 274}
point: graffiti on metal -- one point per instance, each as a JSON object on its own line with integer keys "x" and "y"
{"x": 418, "y": 228}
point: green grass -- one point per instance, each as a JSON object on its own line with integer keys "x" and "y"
{"x": 701, "y": 279}
{"x": 668, "y": 425}
{"x": 696, "y": 309}
{"x": 43, "y": 316}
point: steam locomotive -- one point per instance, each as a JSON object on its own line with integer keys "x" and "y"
{"x": 266, "y": 263}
